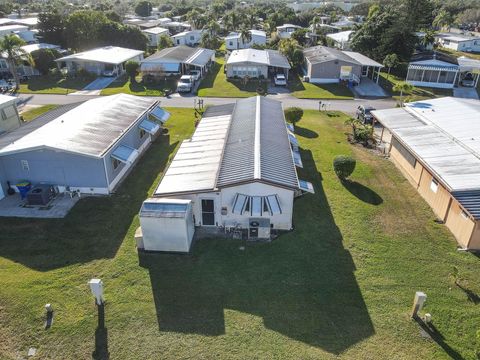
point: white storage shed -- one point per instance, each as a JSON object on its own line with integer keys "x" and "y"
{"x": 167, "y": 224}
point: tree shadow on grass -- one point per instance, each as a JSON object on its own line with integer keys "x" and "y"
{"x": 362, "y": 192}
{"x": 94, "y": 228}
{"x": 302, "y": 284}
{"x": 306, "y": 133}
{"x": 471, "y": 295}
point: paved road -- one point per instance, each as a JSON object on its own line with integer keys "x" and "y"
{"x": 348, "y": 106}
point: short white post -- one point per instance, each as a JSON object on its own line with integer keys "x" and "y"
{"x": 96, "y": 286}
{"x": 418, "y": 302}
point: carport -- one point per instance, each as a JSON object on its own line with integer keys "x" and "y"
{"x": 370, "y": 68}
{"x": 467, "y": 65}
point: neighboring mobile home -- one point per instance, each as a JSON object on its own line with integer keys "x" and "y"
{"x": 189, "y": 38}
{"x": 256, "y": 63}
{"x": 234, "y": 40}
{"x": 285, "y": 31}
{"x": 341, "y": 40}
{"x": 108, "y": 59}
{"x": 435, "y": 143}
{"x": 154, "y": 34}
{"x": 87, "y": 147}
{"x": 458, "y": 42}
{"x": 237, "y": 170}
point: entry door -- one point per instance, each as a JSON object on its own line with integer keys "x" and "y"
{"x": 208, "y": 212}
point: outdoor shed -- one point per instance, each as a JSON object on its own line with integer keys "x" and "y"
{"x": 167, "y": 225}
{"x": 97, "y": 61}
{"x": 178, "y": 60}
{"x": 256, "y": 63}
{"x": 87, "y": 147}
{"x": 238, "y": 169}
{"x": 435, "y": 143}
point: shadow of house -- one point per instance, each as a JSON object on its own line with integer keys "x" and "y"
{"x": 45, "y": 244}
{"x": 302, "y": 284}
{"x": 362, "y": 192}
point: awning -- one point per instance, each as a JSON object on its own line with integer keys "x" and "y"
{"x": 125, "y": 154}
{"x": 306, "y": 186}
{"x": 297, "y": 159}
{"x": 293, "y": 139}
{"x": 290, "y": 127}
{"x": 159, "y": 114}
{"x": 433, "y": 68}
{"x": 149, "y": 126}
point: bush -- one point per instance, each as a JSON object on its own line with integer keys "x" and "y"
{"x": 131, "y": 68}
{"x": 293, "y": 114}
{"x": 344, "y": 166}
{"x": 44, "y": 59}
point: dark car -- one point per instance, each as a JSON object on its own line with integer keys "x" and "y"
{"x": 468, "y": 80}
{"x": 364, "y": 114}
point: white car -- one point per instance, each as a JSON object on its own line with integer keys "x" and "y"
{"x": 185, "y": 84}
{"x": 195, "y": 74}
{"x": 280, "y": 80}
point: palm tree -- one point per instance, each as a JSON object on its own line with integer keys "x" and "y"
{"x": 428, "y": 38}
{"x": 213, "y": 28}
{"x": 11, "y": 45}
{"x": 194, "y": 17}
{"x": 245, "y": 36}
{"x": 231, "y": 21}
{"x": 402, "y": 87}
{"x": 443, "y": 19}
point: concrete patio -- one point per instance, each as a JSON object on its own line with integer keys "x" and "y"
{"x": 14, "y": 206}
{"x": 369, "y": 89}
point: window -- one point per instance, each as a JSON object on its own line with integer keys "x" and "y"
{"x": 142, "y": 133}
{"x": 464, "y": 214}
{"x": 192, "y": 37}
{"x": 25, "y": 165}
{"x": 256, "y": 205}
{"x": 178, "y": 41}
{"x": 230, "y": 43}
{"x": 434, "y": 185}
{"x": 115, "y": 163}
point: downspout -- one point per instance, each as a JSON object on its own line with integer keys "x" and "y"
{"x": 106, "y": 174}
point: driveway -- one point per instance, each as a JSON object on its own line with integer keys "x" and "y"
{"x": 465, "y": 92}
{"x": 369, "y": 89}
{"x": 96, "y": 86}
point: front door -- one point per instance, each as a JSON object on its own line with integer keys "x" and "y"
{"x": 208, "y": 212}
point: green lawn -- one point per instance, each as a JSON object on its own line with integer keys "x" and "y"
{"x": 304, "y": 90}
{"x": 459, "y": 53}
{"x": 215, "y": 84}
{"x": 124, "y": 85}
{"x": 418, "y": 93}
{"x": 35, "y": 112}
{"x": 53, "y": 85}
{"x": 339, "y": 286}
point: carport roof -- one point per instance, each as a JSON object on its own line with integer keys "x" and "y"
{"x": 263, "y": 57}
{"x": 108, "y": 55}
{"x": 90, "y": 128}
{"x": 443, "y": 134}
{"x": 182, "y": 54}
{"x": 362, "y": 59}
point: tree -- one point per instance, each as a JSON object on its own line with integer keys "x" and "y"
{"x": 344, "y": 165}
{"x": 209, "y": 41}
{"x": 469, "y": 16}
{"x": 11, "y": 46}
{"x": 287, "y": 47}
{"x": 51, "y": 26}
{"x": 164, "y": 41}
{"x": 82, "y": 29}
{"x": 300, "y": 35}
{"x": 428, "y": 39}
{"x": 213, "y": 27}
{"x": 245, "y": 36}
{"x": 402, "y": 87}
{"x": 443, "y": 20}
{"x": 44, "y": 59}
{"x": 391, "y": 60}
{"x": 143, "y": 8}
{"x": 113, "y": 16}
{"x": 131, "y": 68}
{"x": 293, "y": 115}
{"x": 297, "y": 58}
{"x": 194, "y": 18}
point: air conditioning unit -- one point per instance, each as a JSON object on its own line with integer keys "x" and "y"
{"x": 258, "y": 228}
{"x": 306, "y": 79}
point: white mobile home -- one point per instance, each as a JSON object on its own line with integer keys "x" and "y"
{"x": 238, "y": 169}
{"x": 154, "y": 34}
{"x": 341, "y": 40}
{"x": 234, "y": 40}
{"x": 189, "y": 38}
{"x": 285, "y": 31}
{"x": 256, "y": 63}
{"x": 458, "y": 42}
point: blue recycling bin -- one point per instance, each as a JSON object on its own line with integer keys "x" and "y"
{"x": 23, "y": 188}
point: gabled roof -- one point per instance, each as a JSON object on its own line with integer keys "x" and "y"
{"x": 341, "y": 37}
{"x": 155, "y": 30}
{"x": 264, "y": 57}
{"x": 237, "y": 35}
{"x": 321, "y": 54}
{"x": 187, "y": 33}
{"x": 89, "y": 128}
{"x": 182, "y": 54}
{"x": 107, "y": 54}
{"x": 233, "y": 144}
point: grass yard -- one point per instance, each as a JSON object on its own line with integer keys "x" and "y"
{"x": 124, "y": 85}
{"x": 215, "y": 84}
{"x": 340, "y": 286}
{"x": 457, "y": 54}
{"x": 304, "y": 90}
{"x": 35, "y": 112}
{"x": 418, "y": 93}
{"x": 53, "y": 85}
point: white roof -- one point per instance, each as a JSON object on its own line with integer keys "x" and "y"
{"x": 107, "y": 54}
{"x": 286, "y": 26}
{"x": 444, "y": 134}
{"x": 13, "y": 28}
{"x": 27, "y": 21}
{"x": 467, "y": 64}
{"x": 456, "y": 37}
{"x": 155, "y": 30}
{"x": 237, "y": 35}
{"x": 33, "y": 47}
{"x": 6, "y": 98}
{"x": 342, "y": 36}
{"x": 248, "y": 55}
{"x": 188, "y": 32}
{"x": 362, "y": 59}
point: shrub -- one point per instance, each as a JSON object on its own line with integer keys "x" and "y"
{"x": 131, "y": 68}
{"x": 344, "y": 166}
{"x": 44, "y": 59}
{"x": 293, "y": 114}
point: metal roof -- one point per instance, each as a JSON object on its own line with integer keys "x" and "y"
{"x": 107, "y": 54}
{"x": 341, "y": 37}
{"x": 444, "y": 134}
{"x": 467, "y": 64}
{"x": 89, "y": 128}
{"x": 155, "y": 30}
{"x": 186, "y": 33}
{"x": 362, "y": 59}
{"x": 6, "y": 98}
{"x": 201, "y": 57}
{"x": 182, "y": 54}
{"x": 470, "y": 201}
{"x": 321, "y": 54}
{"x": 242, "y": 142}
{"x": 237, "y": 35}
{"x": 262, "y": 57}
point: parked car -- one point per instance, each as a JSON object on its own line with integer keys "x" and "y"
{"x": 195, "y": 73}
{"x": 280, "y": 80}
{"x": 185, "y": 84}
{"x": 364, "y": 114}
{"x": 468, "y": 80}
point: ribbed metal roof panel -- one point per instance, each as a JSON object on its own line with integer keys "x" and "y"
{"x": 470, "y": 200}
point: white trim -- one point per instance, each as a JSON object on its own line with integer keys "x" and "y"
{"x": 324, "y": 81}
{"x": 257, "y": 167}
{"x": 431, "y": 84}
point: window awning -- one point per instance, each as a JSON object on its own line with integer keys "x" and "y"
{"x": 149, "y": 126}
{"x": 433, "y": 68}
{"x": 290, "y": 127}
{"x": 256, "y": 205}
{"x": 297, "y": 159}
{"x": 159, "y": 114}
{"x": 293, "y": 139}
{"x": 306, "y": 186}
{"x": 125, "y": 154}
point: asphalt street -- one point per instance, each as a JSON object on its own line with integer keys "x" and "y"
{"x": 187, "y": 101}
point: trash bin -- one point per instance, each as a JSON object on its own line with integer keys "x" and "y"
{"x": 23, "y": 188}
